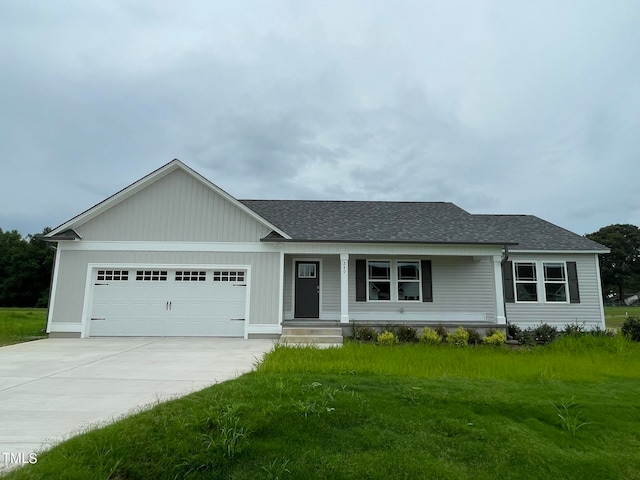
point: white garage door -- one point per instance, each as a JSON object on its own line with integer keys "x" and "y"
{"x": 168, "y": 302}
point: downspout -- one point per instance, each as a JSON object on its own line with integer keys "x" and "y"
{"x": 505, "y": 258}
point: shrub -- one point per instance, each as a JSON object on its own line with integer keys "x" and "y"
{"x": 431, "y": 337}
{"x": 474, "y": 337}
{"x": 387, "y": 339}
{"x": 442, "y": 331}
{"x": 631, "y": 328}
{"x": 513, "y": 330}
{"x": 459, "y": 338}
{"x": 574, "y": 329}
{"x": 545, "y": 333}
{"x": 495, "y": 339}
{"x": 407, "y": 334}
{"x": 526, "y": 337}
{"x": 365, "y": 334}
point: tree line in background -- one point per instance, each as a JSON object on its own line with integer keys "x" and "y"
{"x": 26, "y": 263}
{"x": 25, "y": 270}
{"x": 619, "y": 269}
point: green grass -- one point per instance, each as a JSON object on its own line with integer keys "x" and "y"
{"x": 21, "y": 324}
{"x": 569, "y": 410}
{"x": 615, "y": 316}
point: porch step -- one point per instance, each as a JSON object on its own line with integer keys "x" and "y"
{"x": 311, "y": 335}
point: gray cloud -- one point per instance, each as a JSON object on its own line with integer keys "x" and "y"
{"x": 500, "y": 107}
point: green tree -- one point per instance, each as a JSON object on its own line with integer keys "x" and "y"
{"x": 25, "y": 270}
{"x": 620, "y": 269}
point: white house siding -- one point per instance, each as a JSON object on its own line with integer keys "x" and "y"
{"x": 463, "y": 292}
{"x": 176, "y": 207}
{"x": 588, "y": 312}
{"x": 73, "y": 281}
{"x": 330, "y": 286}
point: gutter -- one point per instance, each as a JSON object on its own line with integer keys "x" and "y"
{"x": 505, "y": 259}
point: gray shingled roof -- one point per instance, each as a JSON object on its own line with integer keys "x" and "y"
{"x": 411, "y": 222}
{"x": 533, "y": 233}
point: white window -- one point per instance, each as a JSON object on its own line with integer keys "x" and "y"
{"x": 526, "y": 281}
{"x": 393, "y": 280}
{"x": 408, "y": 280}
{"x": 379, "y": 279}
{"x": 307, "y": 270}
{"x": 553, "y": 281}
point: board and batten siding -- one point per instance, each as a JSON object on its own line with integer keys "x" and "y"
{"x": 177, "y": 207}
{"x": 588, "y": 312}
{"x": 69, "y": 300}
{"x": 463, "y": 287}
{"x": 329, "y": 287}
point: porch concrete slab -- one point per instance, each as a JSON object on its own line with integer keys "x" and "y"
{"x": 53, "y": 389}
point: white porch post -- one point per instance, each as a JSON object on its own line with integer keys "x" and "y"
{"x": 501, "y": 317}
{"x": 344, "y": 288}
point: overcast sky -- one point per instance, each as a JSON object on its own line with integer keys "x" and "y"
{"x": 498, "y": 106}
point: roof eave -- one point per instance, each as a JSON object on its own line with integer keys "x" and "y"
{"x": 400, "y": 242}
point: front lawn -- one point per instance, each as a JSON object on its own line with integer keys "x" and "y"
{"x": 22, "y": 324}
{"x": 615, "y": 316}
{"x": 568, "y": 410}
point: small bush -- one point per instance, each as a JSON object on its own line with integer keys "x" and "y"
{"x": 495, "y": 339}
{"x": 430, "y": 337}
{"x": 474, "y": 337}
{"x": 513, "y": 330}
{"x": 387, "y": 339}
{"x": 407, "y": 334}
{"x": 443, "y": 332}
{"x": 365, "y": 334}
{"x": 631, "y": 328}
{"x": 574, "y": 329}
{"x": 459, "y": 338}
{"x": 540, "y": 335}
{"x": 545, "y": 333}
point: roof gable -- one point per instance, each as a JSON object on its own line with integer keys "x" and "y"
{"x": 173, "y": 167}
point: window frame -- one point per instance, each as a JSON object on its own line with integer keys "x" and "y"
{"x": 533, "y": 282}
{"x": 394, "y": 280}
{"x": 541, "y": 281}
{"x": 564, "y": 282}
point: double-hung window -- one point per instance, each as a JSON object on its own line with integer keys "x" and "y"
{"x": 393, "y": 280}
{"x": 555, "y": 282}
{"x": 379, "y": 280}
{"x": 528, "y": 281}
{"x": 408, "y": 280}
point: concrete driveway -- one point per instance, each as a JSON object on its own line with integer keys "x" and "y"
{"x": 51, "y": 389}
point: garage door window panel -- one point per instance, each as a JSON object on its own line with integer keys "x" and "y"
{"x": 190, "y": 276}
{"x": 151, "y": 275}
{"x": 113, "y": 275}
{"x": 228, "y": 276}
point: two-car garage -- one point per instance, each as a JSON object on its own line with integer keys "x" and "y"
{"x": 158, "y": 301}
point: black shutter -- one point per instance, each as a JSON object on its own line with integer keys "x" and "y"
{"x": 572, "y": 275}
{"x": 361, "y": 280}
{"x": 427, "y": 283}
{"x": 507, "y": 282}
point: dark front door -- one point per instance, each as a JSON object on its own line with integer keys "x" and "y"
{"x": 307, "y": 290}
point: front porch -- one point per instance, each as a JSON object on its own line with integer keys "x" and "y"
{"x": 416, "y": 285}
